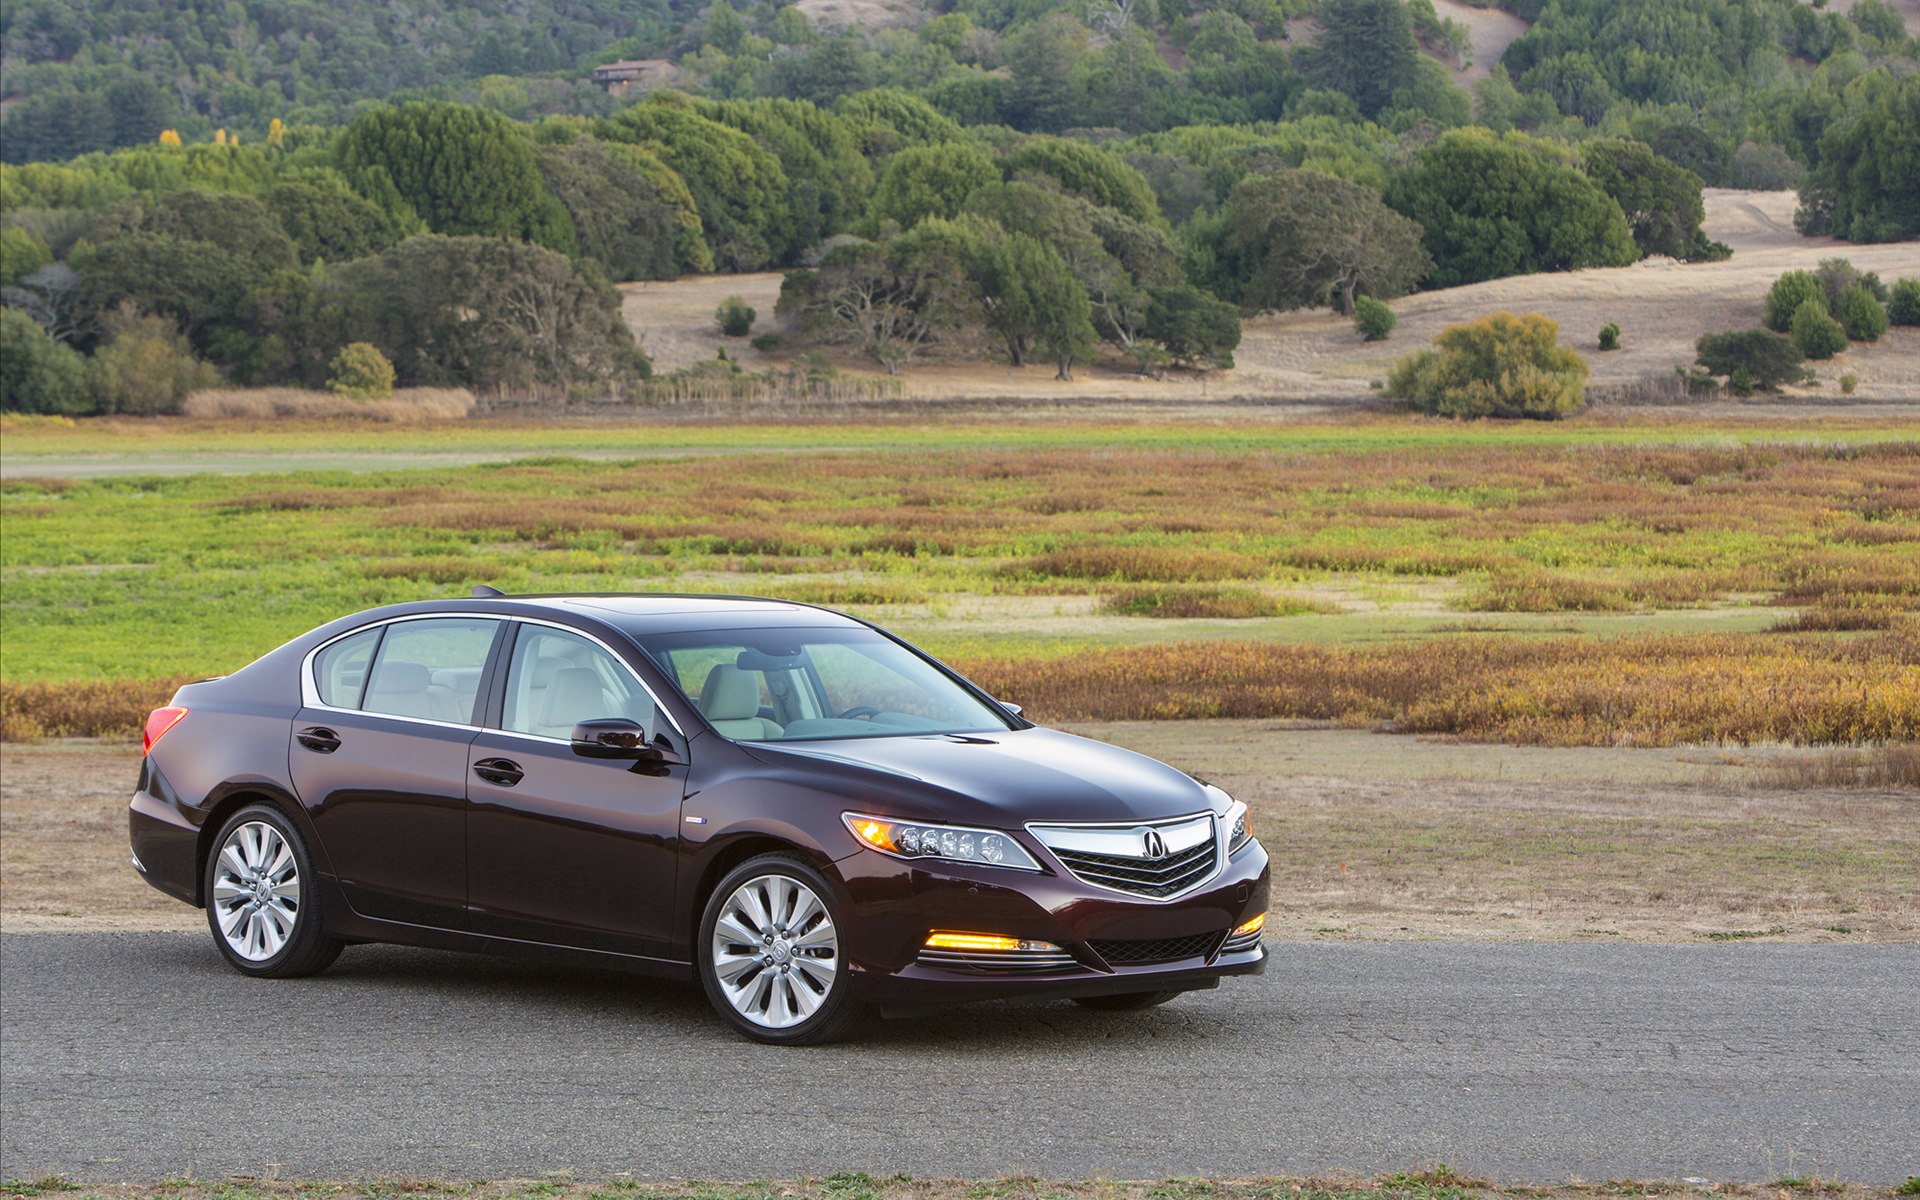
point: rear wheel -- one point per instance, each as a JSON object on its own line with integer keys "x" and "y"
{"x": 261, "y": 903}
{"x": 1127, "y": 1002}
{"x": 770, "y": 956}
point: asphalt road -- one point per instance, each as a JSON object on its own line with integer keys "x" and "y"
{"x": 137, "y": 1056}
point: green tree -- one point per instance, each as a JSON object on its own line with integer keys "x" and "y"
{"x": 1904, "y": 306}
{"x": 1816, "y": 334}
{"x": 1093, "y": 173}
{"x": 1662, "y": 202}
{"x": 1861, "y": 314}
{"x": 485, "y": 313}
{"x": 736, "y": 184}
{"x": 735, "y": 317}
{"x": 38, "y": 374}
{"x": 1043, "y": 94}
{"x": 887, "y": 119}
{"x": 1766, "y": 359}
{"x": 631, "y": 213}
{"x": 464, "y": 170}
{"x": 819, "y": 152}
{"x": 1498, "y": 366}
{"x": 1788, "y": 293}
{"x": 1865, "y": 186}
{"x": 1193, "y": 327}
{"x": 195, "y": 285}
{"x": 1365, "y": 49}
{"x": 240, "y": 226}
{"x": 21, "y": 254}
{"x": 887, "y": 300}
{"x": 1302, "y": 238}
{"x": 1492, "y": 207}
{"x": 361, "y": 372}
{"x": 328, "y": 221}
{"x": 924, "y": 181}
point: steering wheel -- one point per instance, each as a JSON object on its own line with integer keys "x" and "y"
{"x": 858, "y": 711}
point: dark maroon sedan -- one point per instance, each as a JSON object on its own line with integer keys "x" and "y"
{"x": 806, "y": 813}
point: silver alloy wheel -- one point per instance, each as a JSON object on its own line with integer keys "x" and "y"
{"x": 775, "y": 951}
{"x": 256, "y": 891}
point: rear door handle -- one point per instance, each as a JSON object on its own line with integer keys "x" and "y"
{"x": 501, "y": 772}
{"x": 318, "y": 739}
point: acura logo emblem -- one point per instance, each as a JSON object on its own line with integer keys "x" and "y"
{"x": 1156, "y": 845}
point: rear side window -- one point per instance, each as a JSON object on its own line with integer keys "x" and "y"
{"x": 430, "y": 669}
{"x": 340, "y": 671}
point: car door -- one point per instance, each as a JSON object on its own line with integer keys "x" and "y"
{"x": 379, "y": 757}
{"x": 563, "y": 849}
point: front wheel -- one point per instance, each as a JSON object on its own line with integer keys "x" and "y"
{"x": 1127, "y": 1002}
{"x": 770, "y": 956}
{"x": 261, "y": 905}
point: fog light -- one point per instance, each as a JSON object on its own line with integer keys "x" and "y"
{"x": 989, "y": 942}
{"x": 1254, "y": 925}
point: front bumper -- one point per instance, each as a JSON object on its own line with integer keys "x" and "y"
{"x": 896, "y": 904}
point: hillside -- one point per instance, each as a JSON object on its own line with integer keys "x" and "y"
{"x": 1661, "y": 305}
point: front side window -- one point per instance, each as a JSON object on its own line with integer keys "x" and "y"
{"x": 804, "y": 684}
{"x": 430, "y": 668}
{"x": 556, "y": 680}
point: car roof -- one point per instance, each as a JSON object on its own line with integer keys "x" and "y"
{"x": 643, "y": 613}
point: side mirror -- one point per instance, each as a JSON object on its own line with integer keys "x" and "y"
{"x": 611, "y": 737}
{"x": 1009, "y": 706}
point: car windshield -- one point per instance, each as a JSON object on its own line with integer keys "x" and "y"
{"x": 788, "y": 685}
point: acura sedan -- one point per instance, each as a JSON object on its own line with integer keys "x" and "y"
{"x": 800, "y": 810}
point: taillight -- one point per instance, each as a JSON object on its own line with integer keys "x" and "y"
{"x": 158, "y": 722}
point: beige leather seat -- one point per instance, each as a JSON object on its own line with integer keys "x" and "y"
{"x": 730, "y": 698}
{"x": 574, "y": 695}
{"x": 406, "y": 689}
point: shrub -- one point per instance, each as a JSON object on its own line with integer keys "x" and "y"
{"x": 1818, "y": 335}
{"x": 362, "y": 372}
{"x": 1499, "y": 366}
{"x": 1610, "y": 336}
{"x": 1766, "y": 360}
{"x": 1861, "y": 314}
{"x": 1789, "y": 292}
{"x": 146, "y": 367}
{"x": 1903, "y": 307}
{"x": 38, "y": 374}
{"x": 1836, "y": 275}
{"x": 768, "y": 343}
{"x": 1373, "y": 319}
{"x": 1848, "y": 382}
{"x": 735, "y": 317}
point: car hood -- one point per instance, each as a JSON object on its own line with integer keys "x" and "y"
{"x": 1007, "y": 779}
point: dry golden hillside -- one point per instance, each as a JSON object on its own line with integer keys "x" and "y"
{"x": 1661, "y": 306}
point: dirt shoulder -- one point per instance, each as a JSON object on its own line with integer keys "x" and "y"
{"x": 1373, "y": 837}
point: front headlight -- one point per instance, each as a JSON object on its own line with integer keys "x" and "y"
{"x": 954, "y": 843}
{"x": 1240, "y": 826}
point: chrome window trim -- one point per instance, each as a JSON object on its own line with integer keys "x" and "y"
{"x": 310, "y": 690}
{"x": 1220, "y": 856}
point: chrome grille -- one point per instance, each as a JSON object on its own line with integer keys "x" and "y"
{"x": 1199, "y": 945}
{"x": 1242, "y": 943}
{"x": 1158, "y": 861}
{"x": 1000, "y": 962}
{"x": 1158, "y": 878}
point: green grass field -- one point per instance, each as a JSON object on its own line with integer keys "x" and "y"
{"x": 1004, "y": 543}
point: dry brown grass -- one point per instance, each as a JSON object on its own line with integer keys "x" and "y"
{"x": 1896, "y": 766}
{"x": 114, "y": 708}
{"x": 1647, "y": 691}
{"x": 406, "y": 405}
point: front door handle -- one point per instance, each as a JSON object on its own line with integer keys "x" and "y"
{"x": 501, "y": 772}
{"x": 318, "y": 739}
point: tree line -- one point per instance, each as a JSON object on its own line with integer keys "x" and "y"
{"x": 1752, "y": 93}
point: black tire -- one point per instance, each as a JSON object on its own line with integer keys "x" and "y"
{"x": 837, "y": 1014}
{"x": 305, "y": 949}
{"x": 1125, "y": 1002}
